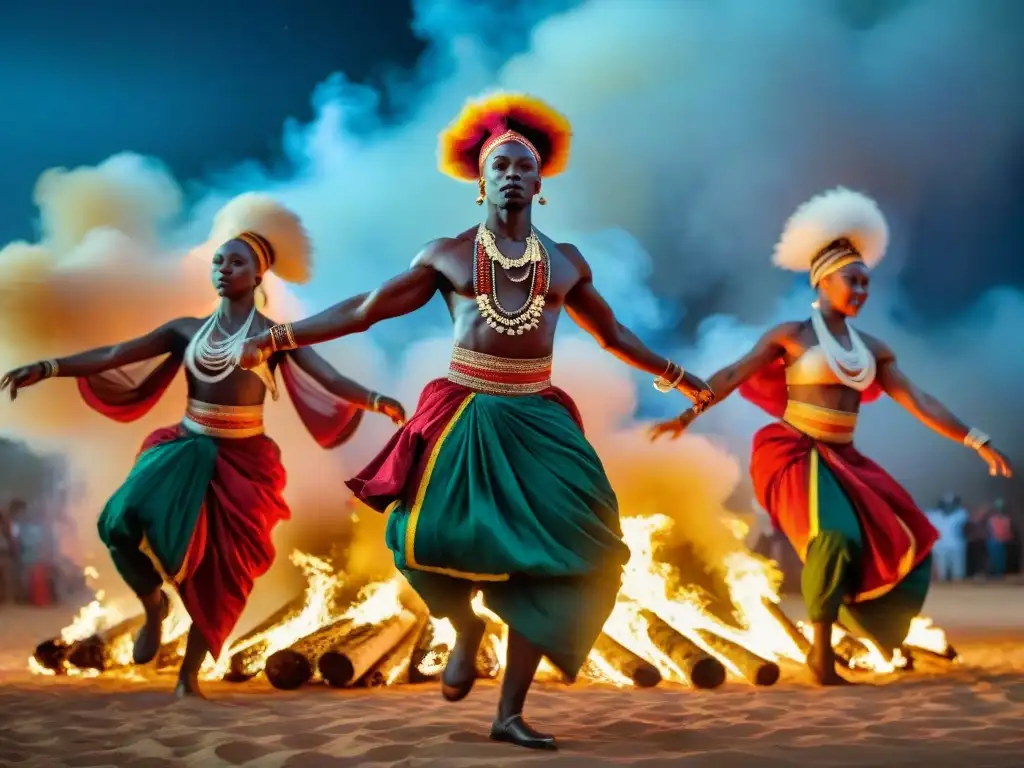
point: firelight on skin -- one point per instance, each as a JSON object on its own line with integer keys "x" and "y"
{"x": 865, "y": 545}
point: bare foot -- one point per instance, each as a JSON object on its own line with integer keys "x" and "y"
{"x": 147, "y": 641}
{"x": 188, "y": 689}
{"x": 823, "y": 669}
{"x": 460, "y": 671}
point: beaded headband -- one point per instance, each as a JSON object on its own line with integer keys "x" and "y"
{"x": 833, "y": 258}
{"x": 504, "y": 138}
{"x": 261, "y": 247}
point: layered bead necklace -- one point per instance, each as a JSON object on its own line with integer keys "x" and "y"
{"x": 854, "y": 367}
{"x": 219, "y": 357}
{"x": 535, "y": 258}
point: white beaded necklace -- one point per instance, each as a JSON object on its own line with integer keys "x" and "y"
{"x": 218, "y": 358}
{"x": 854, "y": 367}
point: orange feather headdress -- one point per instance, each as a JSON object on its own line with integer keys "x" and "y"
{"x": 497, "y": 119}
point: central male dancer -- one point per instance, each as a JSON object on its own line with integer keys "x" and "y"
{"x": 492, "y": 484}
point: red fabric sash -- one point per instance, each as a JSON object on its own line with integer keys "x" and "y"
{"x": 397, "y": 468}
{"x": 780, "y": 469}
{"x": 129, "y": 393}
{"x": 231, "y": 546}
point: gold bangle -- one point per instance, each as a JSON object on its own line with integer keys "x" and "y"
{"x": 282, "y": 338}
{"x": 375, "y": 402}
{"x": 663, "y": 384}
{"x": 50, "y": 368}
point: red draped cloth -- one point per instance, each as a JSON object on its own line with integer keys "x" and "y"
{"x": 231, "y": 544}
{"x": 896, "y": 534}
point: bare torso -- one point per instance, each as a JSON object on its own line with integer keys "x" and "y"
{"x": 240, "y": 387}
{"x": 454, "y": 262}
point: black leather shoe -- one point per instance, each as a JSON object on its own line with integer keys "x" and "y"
{"x": 514, "y": 730}
{"x": 147, "y": 641}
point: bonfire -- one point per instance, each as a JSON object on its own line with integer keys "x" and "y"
{"x": 660, "y": 631}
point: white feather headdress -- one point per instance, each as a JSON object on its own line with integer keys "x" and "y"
{"x": 280, "y": 227}
{"x": 835, "y": 215}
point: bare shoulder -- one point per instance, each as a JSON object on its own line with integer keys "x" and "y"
{"x": 443, "y": 248}
{"x": 883, "y": 352}
{"x": 574, "y": 255}
{"x": 185, "y": 327}
{"x": 787, "y": 331}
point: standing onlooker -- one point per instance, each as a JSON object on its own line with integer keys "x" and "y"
{"x": 976, "y": 536}
{"x": 950, "y": 551}
{"x": 1000, "y": 535}
{"x": 34, "y": 557}
{"x": 8, "y": 555}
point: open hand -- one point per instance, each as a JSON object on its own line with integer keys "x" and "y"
{"x": 22, "y": 377}
{"x": 998, "y": 464}
{"x": 255, "y": 351}
{"x": 673, "y": 428}
{"x": 390, "y": 408}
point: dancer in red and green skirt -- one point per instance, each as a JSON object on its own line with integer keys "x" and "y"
{"x": 864, "y": 543}
{"x": 204, "y": 495}
{"x": 492, "y": 484}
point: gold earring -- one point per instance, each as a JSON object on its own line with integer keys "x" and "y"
{"x": 542, "y": 200}
{"x": 482, "y": 197}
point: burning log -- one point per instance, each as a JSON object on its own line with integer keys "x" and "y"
{"x": 169, "y": 657}
{"x": 488, "y": 664}
{"x": 360, "y": 650}
{"x": 641, "y": 672}
{"x": 427, "y": 662}
{"x": 394, "y": 668}
{"x": 848, "y": 648}
{"x": 699, "y": 668}
{"x": 51, "y": 654}
{"x": 787, "y": 624}
{"x": 949, "y": 654}
{"x": 246, "y": 663}
{"x": 94, "y": 651}
{"x": 292, "y": 667}
{"x": 755, "y": 669}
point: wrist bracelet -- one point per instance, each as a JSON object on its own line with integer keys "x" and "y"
{"x": 664, "y": 384}
{"x": 282, "y": 338}
{"x": 976, "y": 439}
{"x": 375, "y": 402}
{"x": 50, "y": 368}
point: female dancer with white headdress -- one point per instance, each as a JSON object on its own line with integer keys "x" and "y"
{"x": 204, "y": 495}
{"x": 864, "y": 543}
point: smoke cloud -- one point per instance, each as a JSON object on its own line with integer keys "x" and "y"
{"x": 699, "y": 127}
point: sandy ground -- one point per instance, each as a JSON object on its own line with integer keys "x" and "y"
{"x": 941, "y": 715}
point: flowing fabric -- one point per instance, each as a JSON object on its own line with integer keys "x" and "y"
{"x": 895, "y": 536}
{"x": 198, "y": 512}
{"x": 507, "y": 494}
{"x": 129, "y": 393}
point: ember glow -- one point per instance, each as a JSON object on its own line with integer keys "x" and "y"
{"x": 657, "y": 623}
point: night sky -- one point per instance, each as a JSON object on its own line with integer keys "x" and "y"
{"x": 201, "y": 85}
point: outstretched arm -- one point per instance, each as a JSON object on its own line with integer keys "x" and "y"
{"x": 591, "y": 312}
{"x": 167, "y": 338}
{"x": 324, "y": 374}
{"x": 400, "y": 295}
{"x": 769, "y": 348}
{"x": 929, "y": 411}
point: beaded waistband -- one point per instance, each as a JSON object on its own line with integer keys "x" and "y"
{"x": 224, "y": 421}
{"x": 821, "y": 423}
{"x": 499, "y": 375}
